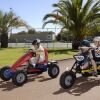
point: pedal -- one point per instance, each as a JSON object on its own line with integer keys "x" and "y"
{"x": 87, "y": 70}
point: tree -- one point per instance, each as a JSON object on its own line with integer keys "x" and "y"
{"x": 31, "y": 31}
{"x": 8, "y": 21}
{"x": 78, "y": 18}
{"x": 64, "y": 37}
{"x": 22, "y": 32}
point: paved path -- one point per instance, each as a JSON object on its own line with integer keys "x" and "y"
{"x": 44, "y": 88}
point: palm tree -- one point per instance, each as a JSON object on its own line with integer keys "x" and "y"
{"x": 76, "y": 17}
{"x": 8, "y": 21}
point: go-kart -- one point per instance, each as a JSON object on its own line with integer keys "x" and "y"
{"x": 22, "y": 67}
{"x": 68, "y": 77}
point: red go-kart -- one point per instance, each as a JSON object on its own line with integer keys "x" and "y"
{"x": 22, "y": 67}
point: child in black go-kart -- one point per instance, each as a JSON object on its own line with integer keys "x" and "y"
{"x": 85, "y": 50}
{"x": 85, "y": 63}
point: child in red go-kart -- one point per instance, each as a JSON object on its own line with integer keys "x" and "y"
{"x": 40, "y": 53}
{"x": 37, "y": 61}
{"x": 86, "y": 50}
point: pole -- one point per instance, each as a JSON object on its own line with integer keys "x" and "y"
{"x": 11, "y": 21}
{"x": 67, "y": 39}
{"x": 47, "y": 39}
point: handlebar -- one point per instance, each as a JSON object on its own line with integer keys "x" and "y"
{"x": 30, "y": 50}
{"x": 33, "y": 53}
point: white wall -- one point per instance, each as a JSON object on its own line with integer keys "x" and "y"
{"x": 47, "y": 45}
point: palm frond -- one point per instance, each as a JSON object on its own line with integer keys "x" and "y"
{"x": 54, "y": 16}
{"x": 48, "y": 22}
{"x": 86, "y": 9}
{"x": 80, "y": 19}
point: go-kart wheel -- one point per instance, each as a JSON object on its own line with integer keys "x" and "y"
{"x": 98, "y": 72}
{"x": 67, "y": 79}
{"x": 4, "y": 73}
{"x": 19, "y": 78}
{"x": 53, "y": 71}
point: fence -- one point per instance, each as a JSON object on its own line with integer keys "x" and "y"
{"x": 47, "y": 45}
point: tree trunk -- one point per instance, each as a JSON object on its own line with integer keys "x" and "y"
{"x": 4, "y": 40}
{"x": 76, "y": 43}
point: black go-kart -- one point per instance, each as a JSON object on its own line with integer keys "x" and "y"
{"x": 68, "y": 77}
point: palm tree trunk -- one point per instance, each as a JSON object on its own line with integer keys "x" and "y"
{"x": 4, "y": 40}
{"x": 76, "y": 43}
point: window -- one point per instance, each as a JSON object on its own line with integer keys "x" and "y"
{"x": 49, "y": 37}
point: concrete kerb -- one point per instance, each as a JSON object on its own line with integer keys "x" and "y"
{"x": 64, "y": 59}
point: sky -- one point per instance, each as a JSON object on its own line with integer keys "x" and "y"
{"x": 32, "y": 11}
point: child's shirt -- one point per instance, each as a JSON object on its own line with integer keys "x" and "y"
{"x": 40, "y": 51}
{"x": 96, "y": 55}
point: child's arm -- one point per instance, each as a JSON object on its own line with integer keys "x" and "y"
{"x": 98, "y": 51}
{"x": 38, "y": 50}
{"x": 84, "y": 49}
{"x": 32, "y": 48}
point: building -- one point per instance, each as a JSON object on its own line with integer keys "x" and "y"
{"x": 22, "y": 38}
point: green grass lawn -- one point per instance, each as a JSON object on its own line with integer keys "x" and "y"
{"x": 10, "y": 55}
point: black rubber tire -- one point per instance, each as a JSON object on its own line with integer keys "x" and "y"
{"x": 2, "y": 70}
{"x": 63, "y": 78}
{"x": 98, "y": 72}
{"x": 15, "y": 78}
{"x": 50, "y": 70}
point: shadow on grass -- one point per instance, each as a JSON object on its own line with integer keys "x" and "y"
{"x": 81, "y": 86}
{"x": 10, "y": 48}
{"x": 62, "y": 51}
{"x": 57, "y": 50}
{"x": 2, "y": 48}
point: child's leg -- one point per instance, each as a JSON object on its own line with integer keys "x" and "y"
{"x": 37, "y": 58}
{"x": 94, "y": 65}
{"x": 95, "y": 73}
{"x": 85, "y": 65}
{"x": 33, "y": 61}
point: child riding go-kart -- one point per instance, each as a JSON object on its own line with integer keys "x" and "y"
{"x": 67, "y": 78}
{"x": 22, "y": 67}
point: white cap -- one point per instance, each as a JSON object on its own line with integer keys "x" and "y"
{"x": 97, "y": 38}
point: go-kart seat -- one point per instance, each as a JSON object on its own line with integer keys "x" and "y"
{"x": 46, "y": 57}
